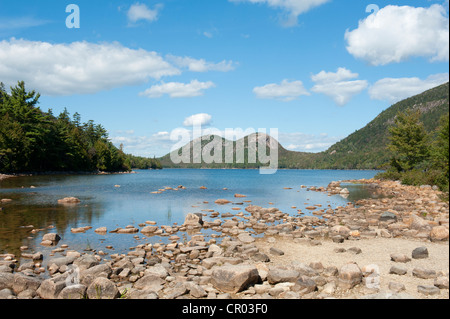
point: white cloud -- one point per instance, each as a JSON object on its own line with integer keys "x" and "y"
{"x": 286, "y": 91}
{"x": 208, "y": 34}
{"x": 397, "y": 89}
{"x": 200, "y": 65}
{"x": 78, "y": 67}
{"x": 201, "y": 119}
{"x": 87, "y": 68}
{"x": 177, "y": 89}
{"x": 302, "y": 142}
{"x": 337, "y": 86}
{"x": 21, "y": 23}
{"x": 140, "y": 11}
{"x": 396, "y": 33}
{"x": 293, "y": 8}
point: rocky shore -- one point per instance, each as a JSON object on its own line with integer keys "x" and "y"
{"x": 392, "y": 247}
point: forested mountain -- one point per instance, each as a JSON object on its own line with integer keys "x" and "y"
{"x": 364, "y": 149}
{"x": 32, "y": 140}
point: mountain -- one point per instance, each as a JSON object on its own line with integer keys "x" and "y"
{"x": 364, "y": 149}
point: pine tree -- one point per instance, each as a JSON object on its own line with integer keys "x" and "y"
{"x": 408, "y": 141}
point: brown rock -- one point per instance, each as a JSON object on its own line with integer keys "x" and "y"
{"x": 102, "y": 288}
{"x": 439, "y": 233}
{"x": 350, "y": 275}
{"x": 69, "y": 200}
{"x": 234, "y": 278}
{"x": 222, "y": 201}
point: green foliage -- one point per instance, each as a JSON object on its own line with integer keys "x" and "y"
{"x": 408, "y": 141}
{"x": 35, "y": 141}
{"x": 364, "y": 149}
{"x": 416, "y": 160}
{"x": 139, "y": 162}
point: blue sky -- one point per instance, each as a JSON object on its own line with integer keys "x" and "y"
{"x": 317, "y": 70}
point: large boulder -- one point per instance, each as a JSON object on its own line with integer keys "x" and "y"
{"x": 194, "y": 220}
{"x": 50, "y": 288}
{"x": 234, "y": 278}
{"x": 102, "y": 288}
{"x": 279, "y": 274}
{"x": 343, "y": 231}
{"x": 50, "y": 239}
{"x": 350, "y": 275}
{"x": 439, "y": 233}
{"x": 22, "y": 282}
{"x": 73, "y": 292}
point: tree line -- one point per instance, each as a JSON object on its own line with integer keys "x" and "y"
{"x": 32, "y": 140}
{"x": 419, "y": 157}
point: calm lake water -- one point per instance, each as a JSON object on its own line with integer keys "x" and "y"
{"x": 104, "y": 205}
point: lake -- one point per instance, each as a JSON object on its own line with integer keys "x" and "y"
{"x": 35, "y": 205}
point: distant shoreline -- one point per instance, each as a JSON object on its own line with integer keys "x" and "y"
{"x": 5, "y": 176}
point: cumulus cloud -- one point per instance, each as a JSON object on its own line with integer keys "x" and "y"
{"x": 200, "y": 65}
{"x": 201, "y": 119}
{"x": 396, "y": 33}
{"x": 79, "y": 67}
{"x": 337, "y": 85}
{"x": 302, "y": 142}
{"x": 86, "y": 68}
{"x": 286, "y": 91}
{"x": 292, "y": 8}
{"x": 177, "y": 89}
{"x": 397, "y": 89}
{"x": 139, "y": 11}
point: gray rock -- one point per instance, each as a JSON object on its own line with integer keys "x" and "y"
{"x": 175, "y": 292}
{"x": 6, "y": 293}
{"x": 150, "y": 283}
{"x": 428, "y": 290}
{"x": 234, "y": 278}
{"x": 388, "y": 216}
{"x": 423, "y": 273}
{"x": 337, "y": 239}
{"x": 89, "y": 275}
{"x": 195, "y": 290}
{"x": 441, "y": 282}
{"x": 51, "y": 288}
{"x": 279, "y": 274}
{"x": 355, "y": 250}
{"x": 6, "y": 280}
{"x": 276, "y": 251}
{"x": 400, "y": 258}
{"x": 23, "y": 282}
{"x": 73, "y": 292}
{"x": 396, "y": 287}
{"x": 304, "y": 285}
{"x": 261, "y": 257}
{"x": 420, "y": 253}
{"x": 246, "y": 238}
{"x": 157, "y": 270}
{"x": 85, "y": 262}
{"x": 398, "y": 270}
{"x": 60, "y": 261}
{"x": 102, "y": 288}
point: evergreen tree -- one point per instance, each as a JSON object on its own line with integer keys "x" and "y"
{"x": 408, "y": 141}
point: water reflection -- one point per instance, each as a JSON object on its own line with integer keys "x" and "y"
{"x": 34, "y": 202}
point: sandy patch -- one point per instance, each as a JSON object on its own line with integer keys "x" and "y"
{"x": 375, "y": 251}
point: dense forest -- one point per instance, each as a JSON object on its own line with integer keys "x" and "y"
{"x": 32, "y": 140}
